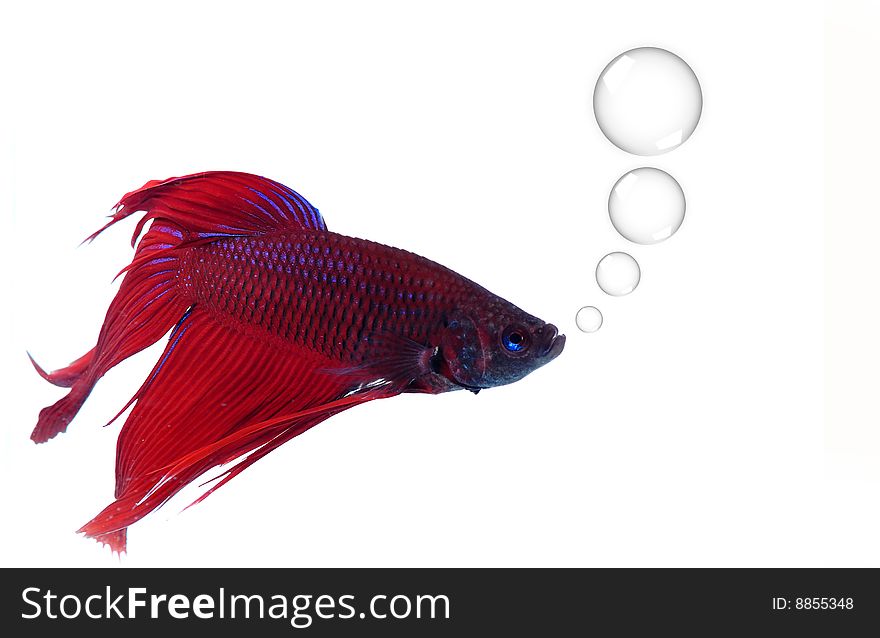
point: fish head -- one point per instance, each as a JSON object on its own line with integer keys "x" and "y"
{"x": 495, "y": 344}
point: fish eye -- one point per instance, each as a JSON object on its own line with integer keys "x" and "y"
{"x": 515, "y": 339}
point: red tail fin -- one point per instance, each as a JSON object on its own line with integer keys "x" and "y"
{"x": 185, "y": 210}
{"x": 66, "y": 377}
{"x": 242, "y": 398}
{"x": 145, "y": 308}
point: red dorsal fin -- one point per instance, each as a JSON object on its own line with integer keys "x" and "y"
{"x": 218, "y": 203}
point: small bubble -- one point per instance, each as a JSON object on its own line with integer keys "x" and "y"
{"x": 588, "y": 319}
{"x": 646, "y": 205}
{"x": 618, "y": 274}
{"x": 647, "y": 101}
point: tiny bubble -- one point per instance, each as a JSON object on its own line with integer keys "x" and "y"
{"x": 588, "y": 319}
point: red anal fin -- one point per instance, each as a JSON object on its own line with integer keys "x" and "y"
{"x": 116, "y": 540}
{"x": 214, "y": 396}
{"x": 284, "y": 430}
{"x": 231, "y": 446}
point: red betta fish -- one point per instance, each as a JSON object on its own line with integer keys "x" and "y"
{"x": 276, "y": 324}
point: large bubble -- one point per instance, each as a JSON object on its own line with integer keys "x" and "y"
{"x": 647, "y": 101}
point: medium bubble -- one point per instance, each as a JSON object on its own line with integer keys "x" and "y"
{"x": 647, "y": 101}
{"x": 588, "y": 319}
{"x": 618, "y": 274}
{"x": 646, "y": 205}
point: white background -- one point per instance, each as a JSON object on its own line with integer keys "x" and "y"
{"x": 690, "y": 430}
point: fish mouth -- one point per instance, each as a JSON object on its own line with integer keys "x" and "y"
{"x": 554, "y": 344}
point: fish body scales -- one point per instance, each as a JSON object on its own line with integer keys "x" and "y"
{"x": 322, "y": 291}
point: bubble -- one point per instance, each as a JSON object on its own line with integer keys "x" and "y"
{"x": 618, "y": 274}
{"x": 588, "y": 319}
{"x": 647, "y": 101}
{"x": 646, "y": 205}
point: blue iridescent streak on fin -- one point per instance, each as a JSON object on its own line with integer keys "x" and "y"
{"x": 302, "y": 211}
{"x": 147, "y": 304}
{"x": 159, "y": 273}
{"x": 303, "y": 204}
{"x": 182, "y": 319}
{"x": 150, "y": 292}
{"x": 176, "y": 333}
{"x": 260, "y": 208}
{"x": 269, "y": 200}
{"x": 203, "y": 235}
{"x": 170, "y": 231}
{"x": 308, "y": 215}
{"x": 286, "y": 203}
